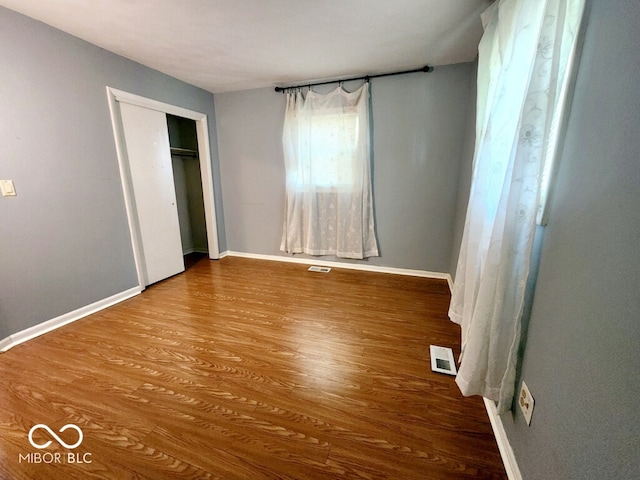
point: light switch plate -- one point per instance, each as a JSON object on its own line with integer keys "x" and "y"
{"x": 8, "y": 188}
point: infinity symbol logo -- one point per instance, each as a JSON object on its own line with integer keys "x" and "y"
{"x": 52, "y": 433}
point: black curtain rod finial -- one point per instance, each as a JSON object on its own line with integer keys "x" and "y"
{"x": 425, "y": 69}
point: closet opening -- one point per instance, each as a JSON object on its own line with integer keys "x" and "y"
{"x": 183, "y": 140}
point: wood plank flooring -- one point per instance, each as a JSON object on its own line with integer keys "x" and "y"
{"x": 248, "y": 369}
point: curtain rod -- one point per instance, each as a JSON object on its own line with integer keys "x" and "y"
{"x": 424, "y": 69}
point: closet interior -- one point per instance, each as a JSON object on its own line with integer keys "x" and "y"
{"x": 188, "y": 185}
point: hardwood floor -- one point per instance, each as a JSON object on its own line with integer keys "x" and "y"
{"x": 248, "y": 369}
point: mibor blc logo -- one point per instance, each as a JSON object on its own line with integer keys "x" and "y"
{"x": 55, "y": 457}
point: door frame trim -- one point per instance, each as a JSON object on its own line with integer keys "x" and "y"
{"x": 204, "y": 156}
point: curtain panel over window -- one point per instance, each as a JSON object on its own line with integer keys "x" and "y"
{"x": 328, "y": 202}
{"x": 523, "y": 64}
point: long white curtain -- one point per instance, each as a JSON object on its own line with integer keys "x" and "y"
{"x": 328, "y": 205}
{"x": 522, "y": 63}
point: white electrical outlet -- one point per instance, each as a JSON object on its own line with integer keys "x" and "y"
{"x": 526, "y": 402}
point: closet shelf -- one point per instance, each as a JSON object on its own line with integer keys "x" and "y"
{"x": 185, "y": 152}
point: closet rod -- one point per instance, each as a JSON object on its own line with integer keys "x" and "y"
{"x": 424, "y": 69}
{"x": 184, "y": 152}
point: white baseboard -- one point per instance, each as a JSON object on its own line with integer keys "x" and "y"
{"x": 506, "y": 452}
{"x": 5, "y": 344}
{"x": 333, "y": 264}
{"x": 49, "y": 325}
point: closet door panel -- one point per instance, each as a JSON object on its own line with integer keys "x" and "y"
{"x": 148, "y": 151}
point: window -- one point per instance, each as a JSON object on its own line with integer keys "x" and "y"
{"x": 523, "y": 69}
{"x": 327, "y": 154}
{"x": 329, "y": 207}
{"x": 568, "y": 53}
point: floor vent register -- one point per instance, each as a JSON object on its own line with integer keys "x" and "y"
{"x": 442, "y": 360}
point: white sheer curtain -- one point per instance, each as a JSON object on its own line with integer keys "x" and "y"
{"x": 328, "y": 205}
{"x": 522, "y": 63}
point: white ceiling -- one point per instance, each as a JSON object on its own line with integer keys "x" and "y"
{"x": 224, "y": 45}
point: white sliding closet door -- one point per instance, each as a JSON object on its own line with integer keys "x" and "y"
{"x": 148, "y": 152}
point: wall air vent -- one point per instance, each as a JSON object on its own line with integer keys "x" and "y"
{"x": 316, "y": 268}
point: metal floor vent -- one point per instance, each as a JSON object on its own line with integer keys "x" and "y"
{"x": 442, "y": 360}
{"x": 316, "y": 268}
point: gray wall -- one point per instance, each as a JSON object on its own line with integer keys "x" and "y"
{"x": 420, "y": 122}
{"x": 65, "y": 240}
{"x": 582, "y": 357}
{"x": 464, "y": 178}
